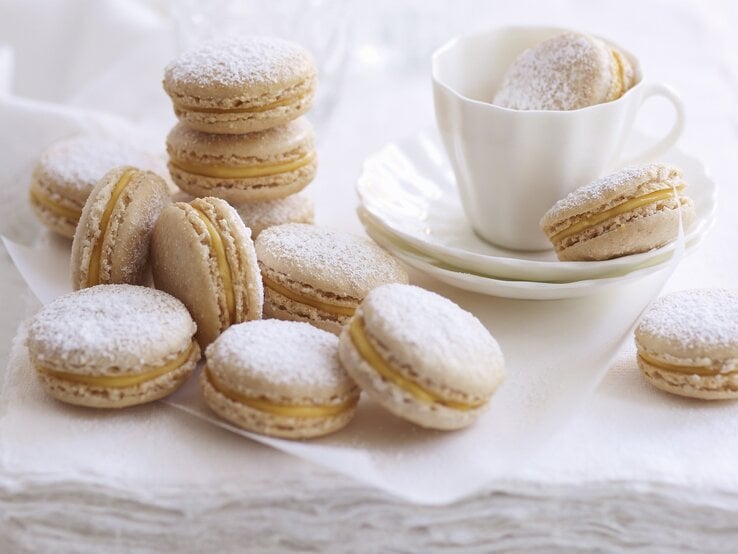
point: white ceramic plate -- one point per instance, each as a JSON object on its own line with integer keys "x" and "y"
{"x": 523, "y": 290}
{"x": 409, "y": 192}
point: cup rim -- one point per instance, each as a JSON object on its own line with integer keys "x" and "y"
{"x": 455, "y": 41}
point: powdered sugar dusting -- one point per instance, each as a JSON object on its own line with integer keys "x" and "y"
{"x": 81, "y": 161}
{"x": 700, "y": 319}
{"x": 435, "y": 337}
{"x": 296, "y": 208}
{"x": 609, "y": 186}
{"x": 110, "y": 328}
{"x": 279, "y": 353}
{"x": 234, "y": 61}
{"x": 566, "y": 72}
{"x": 328, "y": 259}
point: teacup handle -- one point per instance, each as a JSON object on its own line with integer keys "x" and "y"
{"x": 655, "y": 150}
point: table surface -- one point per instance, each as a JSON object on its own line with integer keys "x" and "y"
{"x": 385, "y": 94}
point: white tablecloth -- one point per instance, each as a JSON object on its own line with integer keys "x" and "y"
{"x": 635, "y": 469}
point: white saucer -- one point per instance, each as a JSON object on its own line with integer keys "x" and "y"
{"x": 409, "y": 193}
{"x": 523, "y": 290}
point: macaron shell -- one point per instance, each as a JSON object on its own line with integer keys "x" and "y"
{"x": 335, "y": 262}
{"x": 251, "y": 189}
{"x": 282, "y": 363}
{"x": 633, "y": 232}
{"x": 443, "y": 347}
{"x": 61, "y": 225}
{"x": 235, "y": 73}
{"x": 269, "y": 424}
{"x": 240, "y": 123}
{"x": 247, "y": 286}
{"x": 183, "y": 265}
{"x": 566, "y": 72}
{"x": 717, "y": 387}
{"x": 125, "y": 247}
{"x": 91, "y": 396}
{"x": 278, "y": 306}
{"x": 609, "y": 190}
{"x": 395, "y": 399}
{"x": 257, "y": 216}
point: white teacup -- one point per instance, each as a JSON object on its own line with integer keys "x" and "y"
{"x": 511, "y": 166}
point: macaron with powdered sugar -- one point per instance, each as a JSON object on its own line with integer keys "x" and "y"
{"x": 69, "y": 169}
{"x": 631, "y": 210}
{"x": 279, "y": 378}
{"x": 236, "y": 85}
{"x": 202, "y": 254}
{"x": 320, "y": 275}
{"x": 112, "y": 346}
{"x": 259, "y": 166}
{"x": 422, "y": 357}
{"x": 257, "y": 216}
{"x": 566, "y": 72}
{"x": 111, "y": 242}
{"x": 687, "y": 343}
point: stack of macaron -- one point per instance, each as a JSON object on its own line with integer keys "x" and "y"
{"x": 241, "y": 134}
{"x": 343, "y": 318}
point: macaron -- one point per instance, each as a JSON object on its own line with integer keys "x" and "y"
{"x": 202, "y": 253}
{"x": 243, "y": 168}
{"x": 279, "y": 378}
{"x": 111, "y": 243}
{"x": 567, "y": 72}
{"x": 632, "y": 210}
{"x": 257, "y": 216}
{"x": 687, "y": 343}
{"x": 69, "y": 169}
{"x": 236, "y": 85}
{"x": 112, "y": 346}
{"x": 320, "y": 275}
{"x": 422, "y": 357}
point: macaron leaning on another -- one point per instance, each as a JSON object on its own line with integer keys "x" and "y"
{"x": 69, "y": 169}
{"x": 257, "y": 216}
{"x": 632, "y": 210}
{"x": 111, "y": 243}
{"x": 202, "y": 253}
{"x": 687, "y": 343}
{"x": 422, "y": 357}
{"x": 112, "y": 346}
{"x": 279, "y": 378}
{"x": 320, "y": 275}
{"x": 236, "y": 85}
{"x": 566, "y": 72}
{"x": 243, "y": 168}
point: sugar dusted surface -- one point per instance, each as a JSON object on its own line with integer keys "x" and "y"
{"x": 330, "y": 260}
{"x": 286, "y": 354}
{"x": 606, "y": 188}
{"x": 81, "y": 161}
{"x": 435, "y": 337}
{"x": 109, "y": 329}
{"x": 566, "y": 72}
{"x": 234, "y": 61}
{"x": 699, "y": 321}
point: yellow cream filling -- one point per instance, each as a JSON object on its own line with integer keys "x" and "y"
{"x": 329, "y": 308}
{"x": 247, "y": 109}
{"x": 223, "y": 267}
{"x": 287, "y": 410}
{"x": 374, "y": 359}
{"x": 93, "y": 271}
{"x": 120, "y": 381}
{"x": 615, "y": 211}
{"x": 66, "y": 212}
{"x": 243, "y": 172}
{"x": 705, "y": 371}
